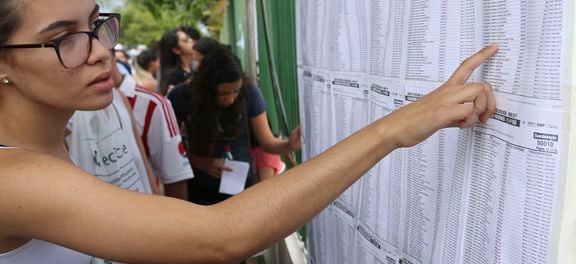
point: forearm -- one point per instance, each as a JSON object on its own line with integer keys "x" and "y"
{"x": 276, "y": 146}
{"x": 282, "y": 204}
{"x": 250, "y": 221}
{"x": 268, "y": 141}
{"x": 197, "y": 161}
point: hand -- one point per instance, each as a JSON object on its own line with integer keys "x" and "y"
{"x": 213, "y": 167}
{"x": 455, "y": 103}
{"x": 295, "y": 139}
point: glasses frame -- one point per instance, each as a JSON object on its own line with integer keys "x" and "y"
{"x": 55, "y": 43}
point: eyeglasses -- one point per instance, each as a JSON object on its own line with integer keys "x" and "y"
{"x": 74, "y": 49}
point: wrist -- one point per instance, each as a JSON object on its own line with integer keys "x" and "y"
{"x": 290, "y": 146}
{"x": 389, "y": 134}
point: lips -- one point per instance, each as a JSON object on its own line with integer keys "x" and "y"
{"x": 103, "y": 81}
{"x": 102, "y": 77}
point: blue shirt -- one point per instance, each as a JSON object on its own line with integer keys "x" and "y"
{"x": 239, "y": 146}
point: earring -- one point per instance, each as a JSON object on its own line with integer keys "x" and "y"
{"x": 4, "y": 78}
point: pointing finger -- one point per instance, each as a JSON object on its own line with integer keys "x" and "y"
{"x": 470, "y": 64}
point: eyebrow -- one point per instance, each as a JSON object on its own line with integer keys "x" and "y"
{"x": 67, "y": 23}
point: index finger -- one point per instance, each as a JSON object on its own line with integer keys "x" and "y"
{"x": 470, "y": 64}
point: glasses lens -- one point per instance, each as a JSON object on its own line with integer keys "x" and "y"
{"x": 108, "y": 32}
{"x": 74, "y": 49}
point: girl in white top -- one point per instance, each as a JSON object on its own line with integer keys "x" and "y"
{"x": 55, "y": 59}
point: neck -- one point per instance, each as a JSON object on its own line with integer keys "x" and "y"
{"x": 30, "y": 125}
{"x": 185, "y": 63}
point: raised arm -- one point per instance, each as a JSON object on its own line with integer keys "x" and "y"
{"x": 54, "y": 201}
{"x": 268, "y": 141}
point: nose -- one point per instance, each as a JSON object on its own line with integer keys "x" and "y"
{"x": 98, "y": 53}
{"x": 229, "y": 99}
{"x": 226, "y": 100}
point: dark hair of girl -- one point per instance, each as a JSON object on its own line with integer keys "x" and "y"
{"x": 205, "y": 45}
{"x": 11, "y": 20}
{"x": 191, "y": 32}
{"x": 169, "y": 61}
{"x": 219, "y": 66}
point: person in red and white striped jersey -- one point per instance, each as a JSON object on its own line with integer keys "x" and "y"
{"x": 160, "y": 135}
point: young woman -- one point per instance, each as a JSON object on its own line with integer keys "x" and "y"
{"x": 175, "y": 59}
{"x": 55, "y": 58}
{"x": 219, "y": 109}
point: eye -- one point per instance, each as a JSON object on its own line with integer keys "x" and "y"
{"x": 59, "y": 36}
{"x": 95, "y": 23}
{"x": 67, "y": 40}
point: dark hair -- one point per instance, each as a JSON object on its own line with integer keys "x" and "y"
{"x": 205, "y": 45}
{"x": 11, "y": 20}
{"x": 191, "y": 32}
{"x": 146, "y": 57}
{"x": 169, "y": 61}
{"x": 219, "y": 66}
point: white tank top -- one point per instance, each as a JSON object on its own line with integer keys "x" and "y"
{"x": 38, "y": 251}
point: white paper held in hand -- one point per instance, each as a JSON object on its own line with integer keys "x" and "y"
{"x": 233, "y": 182}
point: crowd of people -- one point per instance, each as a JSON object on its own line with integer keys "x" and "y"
{"x": 163, "y": 125}
{"x": 211, "y": 98}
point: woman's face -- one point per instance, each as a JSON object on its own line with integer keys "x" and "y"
{"x": 227, "y": 93}
{"x": 154, "y": 66}
{"x": 38, "y": 75}
{"x": 185, "y": 44}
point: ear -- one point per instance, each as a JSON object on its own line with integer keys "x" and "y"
{"x": 4, "y": 73}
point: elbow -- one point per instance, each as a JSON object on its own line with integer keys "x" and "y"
{"x": 227, "y": 253}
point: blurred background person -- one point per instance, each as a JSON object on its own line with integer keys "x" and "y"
{"x": 146, "y": 67}
{"x": 175, "y": 59}
{"x": 201, "y": 48}
{"x": 122, "y": 60}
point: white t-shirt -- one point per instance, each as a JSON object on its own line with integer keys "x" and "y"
{"x": 38, "y": 251}
{"x": 160, "y": 132}
{"x": 98, "y": 143}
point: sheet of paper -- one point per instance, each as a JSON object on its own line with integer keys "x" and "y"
{"x": 347, "y": 38}
{"x": 233, "y": 182}
{"x": 487, "y": 194}
{"x": 514, "y": 179}
{"x": 379, "y": 222}
{"x": 350, "y": 94}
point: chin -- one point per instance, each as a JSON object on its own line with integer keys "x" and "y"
{"x": 225, "y": 105}
{"x": 97, "y": 104}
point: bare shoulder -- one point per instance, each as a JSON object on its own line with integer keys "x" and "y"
{"x": 22, "y": 169}
{"x": 37, "y": 188}
{"x": 52, "y": 200}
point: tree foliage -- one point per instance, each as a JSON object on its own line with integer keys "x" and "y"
{"x": 144, "y": 21}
